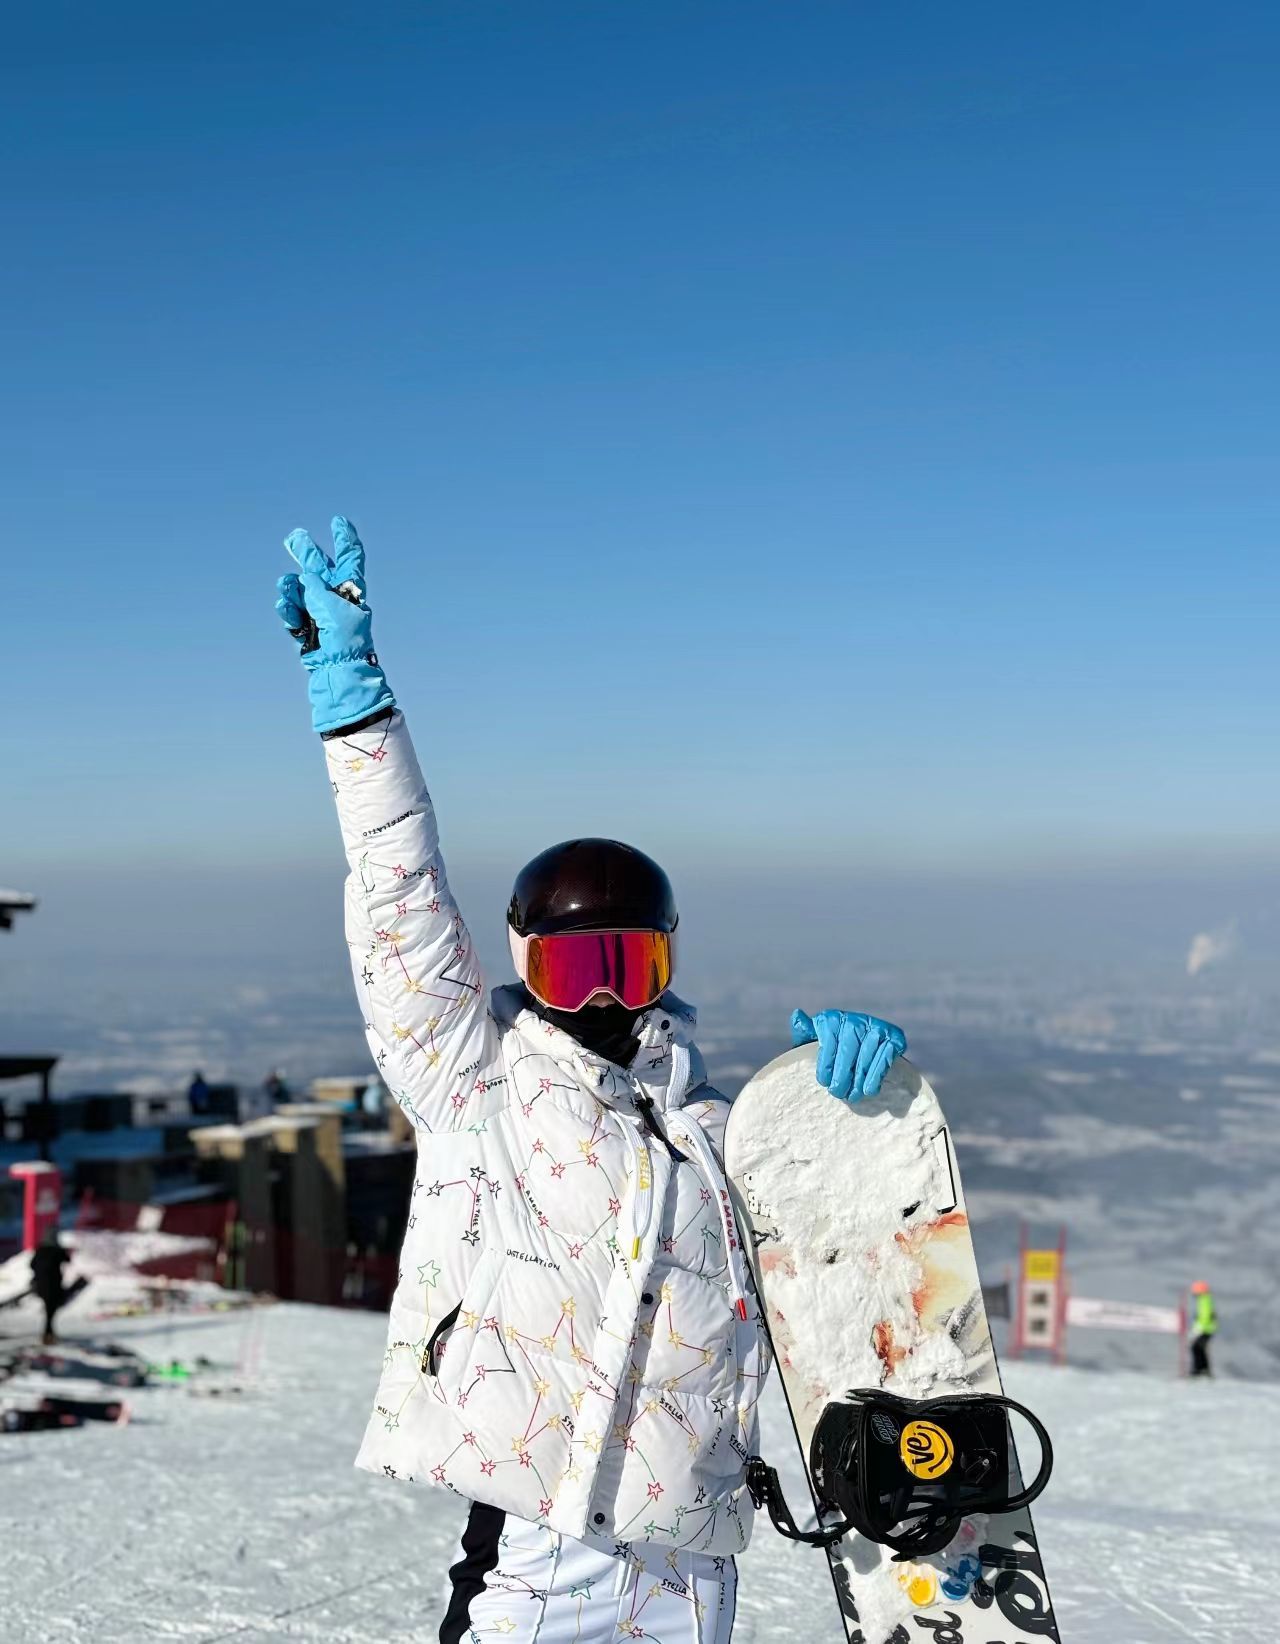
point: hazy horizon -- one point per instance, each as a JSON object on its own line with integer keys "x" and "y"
{"x": 248, "y": 969}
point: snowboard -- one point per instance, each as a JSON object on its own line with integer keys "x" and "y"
{"x": 83, "y": 1404}
{"x": 865, "y": 1269}
{"x": 33, "y": 1416}
{"x": 86, "y": 1364}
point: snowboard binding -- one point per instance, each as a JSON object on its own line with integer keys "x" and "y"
{"x": 906, "y": 1472}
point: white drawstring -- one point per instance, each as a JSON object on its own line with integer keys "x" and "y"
{"x": 697, "y": 1143}
{"x": 680, "y": 1065}
{"x": 643, "y": 1199}
{"x": 642, "y": 1213}
{"x": 692, "y": 1135}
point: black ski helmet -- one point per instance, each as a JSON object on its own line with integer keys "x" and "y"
{"x": 591, "y": 884}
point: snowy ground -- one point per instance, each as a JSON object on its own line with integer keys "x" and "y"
{"x": 241, "y": 1517}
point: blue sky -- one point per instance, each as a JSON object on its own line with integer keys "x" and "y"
{"x": 827, "y": 433}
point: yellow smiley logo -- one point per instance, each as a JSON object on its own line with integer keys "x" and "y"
{"x": 926, "y": 1449}
{"x": 920, "y": 1586}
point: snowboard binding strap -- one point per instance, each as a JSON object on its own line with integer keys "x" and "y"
{"x": 906, "y": 1472}
{"x": 766, "y": 1491}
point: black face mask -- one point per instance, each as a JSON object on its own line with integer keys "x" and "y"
{"x": 605, "y": 1030}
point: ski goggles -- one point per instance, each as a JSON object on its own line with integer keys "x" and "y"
{"x": 563, "y": 971}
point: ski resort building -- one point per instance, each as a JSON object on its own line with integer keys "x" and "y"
{"x": 307, "y": 1202}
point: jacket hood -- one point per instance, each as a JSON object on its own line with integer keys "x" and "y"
{"x": 667, "y": 1066}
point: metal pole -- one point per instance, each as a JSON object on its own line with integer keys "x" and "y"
{"x": 46, "y": 1116}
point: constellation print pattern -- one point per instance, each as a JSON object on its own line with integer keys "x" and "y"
{"x": 549, "y": 1589}
{"x": 573, "y": 1337}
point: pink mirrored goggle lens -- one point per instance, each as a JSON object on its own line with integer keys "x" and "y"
{"x": 563, "y": 971}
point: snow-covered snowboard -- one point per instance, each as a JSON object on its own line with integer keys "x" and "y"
{"x": 866, "y": 1270}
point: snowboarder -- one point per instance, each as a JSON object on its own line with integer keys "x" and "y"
{"x": 1204, "y": 1326}
{"x": 47, "y": 1261}
{"x": 574, "y": 1341}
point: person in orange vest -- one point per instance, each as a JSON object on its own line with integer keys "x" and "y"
{"x": 1204, "y": 1324}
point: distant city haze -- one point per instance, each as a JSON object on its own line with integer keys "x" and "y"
{"x": 136, "y": 977}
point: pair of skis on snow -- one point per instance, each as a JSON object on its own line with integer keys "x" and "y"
{"x": 64, "y": 1385}
{"x": 52, "y": 1386}
{"x": 866, "y": 1273}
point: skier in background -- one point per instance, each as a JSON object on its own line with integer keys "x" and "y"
{"x": 47, "y": 1261}
{"x": 1204, "y": 1325}
{"x": 574, "y": 1343}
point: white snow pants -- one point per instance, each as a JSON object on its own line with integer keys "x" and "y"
{"x": 520, "y": 1581}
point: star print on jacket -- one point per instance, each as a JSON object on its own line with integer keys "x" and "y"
{"x": 574, "y": 1337}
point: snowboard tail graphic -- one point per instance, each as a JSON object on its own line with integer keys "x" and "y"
{"x": 866, "y": 1272}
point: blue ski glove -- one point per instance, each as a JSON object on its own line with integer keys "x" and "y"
{"x": 854, "y": 1051}
{"x": 325, "y": 611}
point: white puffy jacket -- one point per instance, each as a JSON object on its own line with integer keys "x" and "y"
{"x": 573, "y": 1336}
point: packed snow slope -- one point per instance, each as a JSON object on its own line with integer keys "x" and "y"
{"x": 241, "y": 1517}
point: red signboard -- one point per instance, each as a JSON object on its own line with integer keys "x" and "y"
{"x": 42, "y": 1200}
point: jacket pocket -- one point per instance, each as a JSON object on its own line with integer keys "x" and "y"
{"x": 688, "y": 1341}
{"x": 454, "y": 1353}
{"x": 431, "y": 1358}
